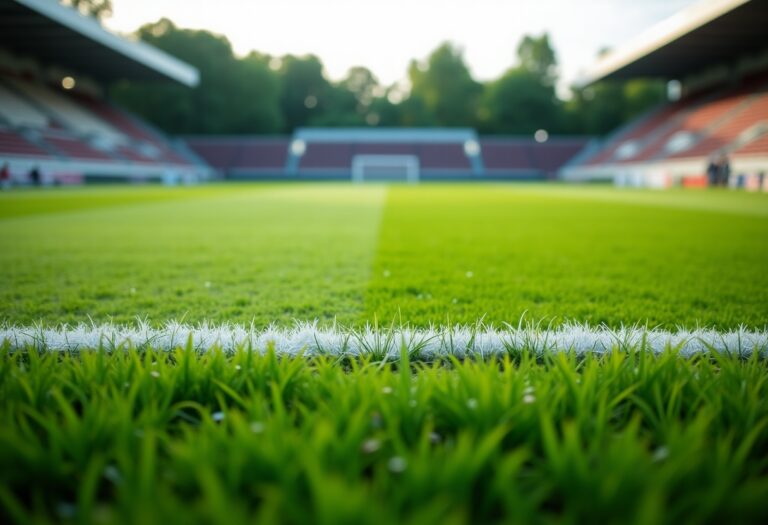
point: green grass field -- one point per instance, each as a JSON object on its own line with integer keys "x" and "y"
{"x": 426, "y": 254}
{"x": 121, "y": 434}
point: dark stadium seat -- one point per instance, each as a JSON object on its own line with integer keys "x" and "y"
{"x": 754, "y": 111}
{"x": 385, "y": 149}
{"x": 12, "y": 143}
{"x": 443, "y": 157}
{"x": 74, "y": 148}
{"x": 639, "y": 131}
{"x": 526, "y": 156}
{"x": 327, "y": 156}
{"x": 130, "y": 127}
{"x": 758, "y": 146}
{"x": 694, "y": 122}
{"x": 264, "y": 154}
{"x": 217, "y": 153}
{"x": 553, "y": 154}
{"x": 242, "y": 155}
{"x": 510, "y": 154}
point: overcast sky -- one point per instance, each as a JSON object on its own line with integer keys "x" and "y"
{"x": 385, "y": 35}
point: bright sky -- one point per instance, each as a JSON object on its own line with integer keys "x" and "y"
{"x": 385, "y": 35}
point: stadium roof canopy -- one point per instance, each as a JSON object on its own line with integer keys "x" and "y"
{"x": 706, "y": 34}
{"x": 59, "y": 35}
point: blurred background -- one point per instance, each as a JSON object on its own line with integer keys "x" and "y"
{"x": 649, "y": 93}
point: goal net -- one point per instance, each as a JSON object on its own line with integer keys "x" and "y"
{"x": 385, "y": 168}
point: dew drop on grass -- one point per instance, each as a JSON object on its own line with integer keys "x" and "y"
{"x": 238, "y": 367}
{"x": 435, "y": 438}
{"x": 396, "y": 464}
{"x": 155, "y": 374}
{"x": 257, "y": 427}
{"x": 370, "y": 446}
{"x": 386, "y": 390}
{"x": 660, "y": 454}
{"x": 472, "y": 403}
{"x": 528, "y": 390}
{"x": 66, "y": 510}
{"x": 528, "y": 399}
{"x": 112, "y": 474}
{"x": 218, "y": 416}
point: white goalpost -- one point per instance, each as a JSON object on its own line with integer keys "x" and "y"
{"x": 385, "y": 168}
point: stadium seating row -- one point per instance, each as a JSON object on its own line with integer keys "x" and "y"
{"x": 43, "y": 122}
{"x": 501, "y": 155}
{"x": 731, "y": 121}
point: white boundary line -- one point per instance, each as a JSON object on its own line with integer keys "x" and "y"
{"x": 310, "y": 339}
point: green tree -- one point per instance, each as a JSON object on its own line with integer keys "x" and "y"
{"x": 99, "y": 9}
{"x": 252, "y": 95}
{"x": 604, "y": 106}
{"x": 363, "y": 84}
{"x": 306, "y": 93}
{"x": 388, "y": 114}
{"x": 537, "y": 56}
{"x": 252, "y": 78}
{"x": 443, "y": 91}
{"x": 519, "y": 103}
{"x": 524, "y": 100}
{"x": 348, "y": 102}
{"x": 234, "y": 96}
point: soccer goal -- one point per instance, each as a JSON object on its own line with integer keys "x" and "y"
{"x": 385, "y": 168}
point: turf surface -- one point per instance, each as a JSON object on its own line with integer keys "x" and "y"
{"x": 139, "y": 435}
{"x": 145, "y": 437}
{"x": 425, "y": 254}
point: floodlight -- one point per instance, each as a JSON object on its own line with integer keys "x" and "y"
{"x": 298, "y": 147}
{"x": 471, "y": 148}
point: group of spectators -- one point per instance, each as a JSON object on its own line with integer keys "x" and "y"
{"x": 718, "y": 169}
{"x": 35, "y": 177}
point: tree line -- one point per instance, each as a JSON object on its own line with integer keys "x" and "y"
{"x": 264, "y": 94}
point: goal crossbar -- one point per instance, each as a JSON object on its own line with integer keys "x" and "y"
{"x": 385, "y": 167}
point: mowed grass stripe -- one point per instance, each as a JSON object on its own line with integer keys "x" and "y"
{"x": 716, "y": 200}
{"x": 246, "y": 253}
{"x": 34, "y": 201}
{"x": 458, "y": 253}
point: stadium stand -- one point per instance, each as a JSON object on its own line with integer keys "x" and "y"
{"x": 55, "y": 118}
{"x": 53, "y": 114}
{"x": 14, "y": 144}
{"x": 238, "y": 157}
{"x": 509, "y": 157}
{"x": 440, "y": 154}
{"x": 718, "y": 52}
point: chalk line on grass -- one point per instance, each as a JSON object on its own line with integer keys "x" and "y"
{"x": 308, "y": 338}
